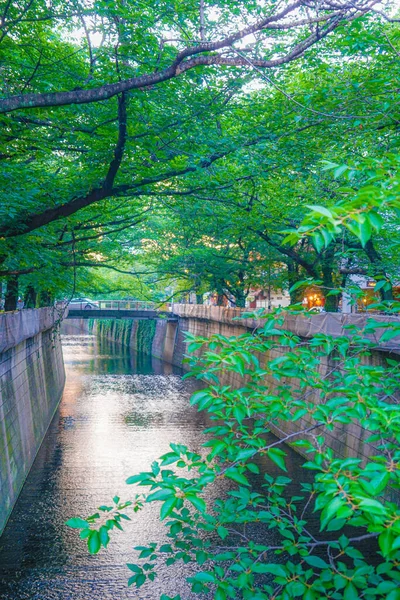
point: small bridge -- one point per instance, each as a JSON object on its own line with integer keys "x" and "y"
{"x": 119, "y": 309}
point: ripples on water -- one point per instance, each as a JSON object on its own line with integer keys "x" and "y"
{"x": 118, "y": 413}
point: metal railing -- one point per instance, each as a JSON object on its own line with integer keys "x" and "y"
{"x": 124, "y": 305}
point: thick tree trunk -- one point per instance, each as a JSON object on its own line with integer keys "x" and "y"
{"x": 45, "y": 298}
{"x": 220, "y": 299}
{"x": 30, "y": 297}
{"x": 293, "y": 276}
{"x": 11, "y": 297}
{"x": 240, "y": 299}
{"x": 331, "y": 302}
{"x": 378, "y": 270}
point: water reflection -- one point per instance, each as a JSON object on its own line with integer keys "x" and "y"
{"x": 118, "y": 413}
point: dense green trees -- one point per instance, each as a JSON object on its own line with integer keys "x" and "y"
{"x": 111, "y": 113}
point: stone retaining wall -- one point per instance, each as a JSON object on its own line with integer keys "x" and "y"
{"x": 169, "y": 344}
{"x": 32, "y": 379}
{"x": 205, "y": 321}
{"x": 303, "y": 325}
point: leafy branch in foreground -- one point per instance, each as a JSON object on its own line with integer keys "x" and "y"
{"x": 258, "y": 539}
{"x": 362, "y": 210}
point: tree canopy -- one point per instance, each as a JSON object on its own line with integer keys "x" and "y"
{"x": 117, "y": 117}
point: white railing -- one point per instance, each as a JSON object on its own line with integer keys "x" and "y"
{"x": 125, "y": 305}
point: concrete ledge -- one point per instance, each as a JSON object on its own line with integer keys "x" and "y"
{"x": 303, "y": 325}
{"x": 105, "y": 313}
{"x": 17, "y": 326}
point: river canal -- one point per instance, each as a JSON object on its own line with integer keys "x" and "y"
{"x": 118, "y": 413}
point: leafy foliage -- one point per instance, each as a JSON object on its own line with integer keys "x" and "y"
{"x": 228, "y": 136}
{"x": 309, "y": 392}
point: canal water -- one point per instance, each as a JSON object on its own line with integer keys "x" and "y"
{"x": 118, "y": 413}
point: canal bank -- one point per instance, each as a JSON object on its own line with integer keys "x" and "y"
{"x": 119, "y": 412}
{"x": 32, "y": 379}
{"x": 167, "y": 340}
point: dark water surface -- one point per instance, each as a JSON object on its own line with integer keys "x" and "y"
{"x": 118, "y": 413}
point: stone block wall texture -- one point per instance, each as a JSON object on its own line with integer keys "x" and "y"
{"x": 32, "y": 379}
{"x": 346, "y": 440}
{"x": 157, "y": 347}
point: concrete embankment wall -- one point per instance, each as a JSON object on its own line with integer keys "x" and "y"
{"x": 165, "y": 339}
{"x": 204, "y": 321}
{"x": 32, "y": 379}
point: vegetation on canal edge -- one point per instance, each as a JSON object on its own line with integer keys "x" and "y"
{"x": 146, "y": 330}
{"x": 312, "y": 390}
{"x": 308, "y": 391}
{"x": 138, "y": 335}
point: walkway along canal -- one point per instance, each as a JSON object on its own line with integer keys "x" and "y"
{"x": 119, "y": 411}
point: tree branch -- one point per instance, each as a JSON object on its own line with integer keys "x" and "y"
{"x": 334, "y": 17}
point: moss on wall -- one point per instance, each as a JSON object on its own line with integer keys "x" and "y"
{"x": 145, "y": 336}
{"x": 31, "y": 383}
{"x": 120, "y": 331}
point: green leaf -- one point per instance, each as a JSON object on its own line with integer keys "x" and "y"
{"x": 372, "y": 506}
{"x": 390, "y": 334}
{"x": 245, "y": 453}
{"x": 168, "y": 507}
{"x": 162, "y": 494}
{"x": 202, "y": 396}
{"x": 222, "y": 532}
{"x": 134, "y": 568}
{"x": 339, "y": 171}
{"x": 275, "y": 569}
{"x": 317, "y": 562}
{"x": 77, "y": 523}
{"x": 94, "y": 543}
{"x": 137, "y": 478}
{"x": 205, "y": 577}
{"x": 140, "y": 580}
{"x": 321, "y": 210}
{"x": 104, "y": 536}
{"x": 278, "y": 457}
{"x": 197, "y": 502}
{"x": 235, "y": 475}
{"x": 220, "y": 594}
{"x": 365, "y": 231}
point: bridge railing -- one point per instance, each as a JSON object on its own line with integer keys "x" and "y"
{"x": 125, "y": 305}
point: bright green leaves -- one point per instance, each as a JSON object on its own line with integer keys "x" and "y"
{"x": 317, "y": 562}
{"x": 236, "y": 476}
{"x": 277, "y": 570}
{"x": 94, "y": 542}
{"x": 168, "y": 506}
{"x": 362, "y": 209}
{"x": 77, "y": 523}
{"x": 278, "y": 457}
{"x": 140, "y": 574}
{"x": 256, "y": 536}
{"x": 203, "y": 399}
{"x": 96, "y": 528}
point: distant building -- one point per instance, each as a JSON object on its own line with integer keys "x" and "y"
{"x": 267, "y": 299}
